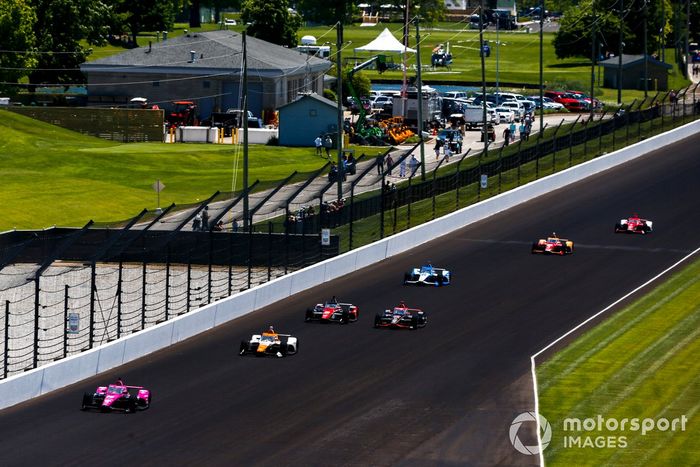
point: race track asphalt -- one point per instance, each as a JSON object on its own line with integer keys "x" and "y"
{"x": 442, "y": 395}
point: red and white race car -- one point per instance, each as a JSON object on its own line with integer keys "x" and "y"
{"x": 401, "y": 317}
{"x": 553, "y": 245}
{"x": 634, "y": 224}
{"x": 117, "y": 396}
{"x": 333, "y": 311}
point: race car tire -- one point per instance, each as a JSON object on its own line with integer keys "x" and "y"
{"x": 294, "y": 351}
{"x": 243, "y": 349}
{"x": 145, "y": 403}
{"x": 130, "y": 406}
{"x": 618, "y": 228}
{"x": 309, "y": 315}
{"x": 414, "y": 323}
{"x": 534, "y": 248}
{"x": 87, "y": 401}
{"x": 377, "y": 320}
{"x": 407, "y": 277}
{"x": 345, "y": 317}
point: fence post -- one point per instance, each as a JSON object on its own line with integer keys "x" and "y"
{"x": 409, "y": 196}
{"x": 250, "y": 252}
{"x": 432, "y": 186}
{"x": 554, "y": 146}
{"x": 6, "y": 355}
{"x": 189, "y": 283}
{"x": 457, "y": 180}
{"x": 571, "y": 140}
{"x": 119, "y": 300}
{"x": 520, "y": 160}
{"x": 167, "y": 282}
{"x": 269, "y": 251}
{"x": 352, "y": 215}
{"x": 143, "y": 296}
{"x": 286, "y": 239}
{"x": 381, "y": 206}
{"x": 500, "y": 168}
{"x": 65, "y": 322}
{"x": 36, "y": 321}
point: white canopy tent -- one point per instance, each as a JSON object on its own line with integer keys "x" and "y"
{"x": 385, "y": 42}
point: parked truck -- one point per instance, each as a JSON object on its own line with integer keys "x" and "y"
{"x": 432, "y": 107}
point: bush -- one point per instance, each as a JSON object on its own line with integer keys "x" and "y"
{"x": 273, "y": 141}
{"x": 330, "y": 95}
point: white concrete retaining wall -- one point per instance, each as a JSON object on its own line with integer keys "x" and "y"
{"x": 259, "y": 135}
{"x": 21, "y": 387}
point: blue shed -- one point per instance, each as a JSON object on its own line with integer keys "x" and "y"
{"x": 301, "y": 121}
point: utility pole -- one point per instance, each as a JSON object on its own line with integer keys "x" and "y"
{"x": 646, "y": 58}
{"x": 339, "y": 67}
{"x": 619, "y": 53}
{"x": 484, "y": 134}
{"x": 542, "y": 66}
{"x": 593, "y": 62}
{"x": 687, "y": 37}
{"x": 419, "y": 85}
{"x": 246, "y": 206}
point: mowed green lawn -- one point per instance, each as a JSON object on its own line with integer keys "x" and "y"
{"x": 52, "y": 176}
{"x": 640, "y": 363}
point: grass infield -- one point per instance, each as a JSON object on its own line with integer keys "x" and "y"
{"x": 641, "y": 363}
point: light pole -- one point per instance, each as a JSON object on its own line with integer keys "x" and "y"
{"x": 246, "y": 195}
{"x": 419, "y": 85}
{"x": 646, "y": 59}
{"x": 498, "y": 46}
{"x": 339, "y": 67}
{"x": 542, "y": 66}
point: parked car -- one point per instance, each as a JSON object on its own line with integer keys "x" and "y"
{"x": 506, "y": 114}
{"x": 567, "y": 100}
{"x": 516, "y": 107}
{"x": 456, "y": 95}
{"x": 381, "y": 102}
{"x": 548, "y": 103}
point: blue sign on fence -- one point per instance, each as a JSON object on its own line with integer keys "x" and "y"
{"x": 73, "y": 323}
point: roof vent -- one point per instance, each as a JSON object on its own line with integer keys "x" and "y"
{"x": 193, "y": 56}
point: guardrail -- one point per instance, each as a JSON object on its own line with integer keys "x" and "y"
{"x": 42, "y": 380}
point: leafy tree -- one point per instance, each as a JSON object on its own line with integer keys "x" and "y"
{"x": 17, "y": 21}
{"x": 271, "y": 20}
{"x": 326, "y": 12}
{"x": 144, "y": 15}
{"x": 60, "y": 27}
{"x": 574, "y": 36}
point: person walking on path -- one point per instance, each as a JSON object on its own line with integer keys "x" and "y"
{"x": 512, "y": 132}
{"x": 402, "y": 168}
{"x": 319, "y": 145}
{"x": 389, "y": 163}
{"x": 328, "y": 144}
{"x": 506, "y": 136}
{"x": 413, "y": 164}
{"x": 205, "y": 218}
{"x": 438, "y": 145}
{"x": 380, "y": 164}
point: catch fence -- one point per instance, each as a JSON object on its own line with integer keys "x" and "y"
{"x": 66, "y": 290}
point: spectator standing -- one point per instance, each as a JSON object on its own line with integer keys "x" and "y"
{"x": 413, "y": 164}
{"x": 234, "y": 226}
{"x": 448, "y": 153}
{"x": 205, "y": 218}
{"x": 512, "y": 131}
{"x": 389, "y": 163}
{"x": 402, "y": 168}
{"x": 522, "y": 132}
{"x": 319, "y": 145}
{"x": 438, "y": 145}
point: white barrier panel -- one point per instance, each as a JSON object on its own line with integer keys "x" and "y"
{"x": 259, "y": 135}
{"x": 38, "y": 381}
{"x": 197, "y": 134}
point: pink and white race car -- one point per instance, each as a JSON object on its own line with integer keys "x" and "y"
{"x": 117, "y": 396}
{"x": 634, "y": 224}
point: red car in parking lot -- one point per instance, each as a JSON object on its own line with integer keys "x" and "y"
{"x": 568, "y": 100}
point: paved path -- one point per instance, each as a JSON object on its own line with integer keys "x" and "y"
{"x": 275, "y": 206}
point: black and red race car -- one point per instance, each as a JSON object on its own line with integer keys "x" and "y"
{"x": 634, "y": 224}
{"x": 553, "y": 245}
{"x": 401, "y": 317}
{"x": 333, "y": 311}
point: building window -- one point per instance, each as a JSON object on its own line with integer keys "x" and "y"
{"x": 206, "y": 84}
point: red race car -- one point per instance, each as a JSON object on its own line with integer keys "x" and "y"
{"x": 634, "y": 224}
{"x": 333, "y": 311}
{"x": 553, "y": 245}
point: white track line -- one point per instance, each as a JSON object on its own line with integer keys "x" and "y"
{"x": 574, "y": 329}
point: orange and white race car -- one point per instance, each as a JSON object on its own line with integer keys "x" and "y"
{"x": 553, "y": 245}
{"x": 270, "y": 343}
